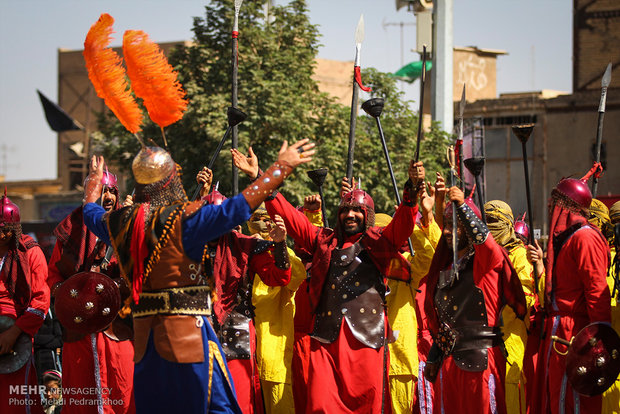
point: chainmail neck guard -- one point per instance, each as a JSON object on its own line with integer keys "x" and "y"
{"x": 162, "y": 193}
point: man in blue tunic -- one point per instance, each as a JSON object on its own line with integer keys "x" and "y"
{"x": 160, "y": 241}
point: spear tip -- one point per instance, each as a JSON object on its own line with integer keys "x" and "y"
{"x": 607, "y": 76}
{"x": 462, "y": 104}
{"x": 359, "y": 31}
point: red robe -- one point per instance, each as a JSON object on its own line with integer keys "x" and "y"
{"x": 580, "y": 297}
{"x": 245, "y": 371}
{"x": 29, "y": 317}
{"x": 485, "y": 389}
{"x": 344, "y": 376}
{"x": 114, "y": 359}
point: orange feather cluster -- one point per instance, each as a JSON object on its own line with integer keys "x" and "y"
{"x": 107, "y": 74}
{"x": 153, "y": 79}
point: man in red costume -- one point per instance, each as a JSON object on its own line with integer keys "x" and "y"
{"x": 232, "y": 260}
{"x": 576, "y": 294}
{"x": 348, "y": 354}
{"x": 463, "y": 309}
{"x": 77, "y": 250}
{"x": 24, "y": 301}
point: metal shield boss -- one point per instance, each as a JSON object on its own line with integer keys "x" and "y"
{"x": 593, "y": 359}
{"x": 87, "y": 302}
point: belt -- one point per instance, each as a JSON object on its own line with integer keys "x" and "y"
{"x": 190, "y": 300}
{"x": 477, "y": 337}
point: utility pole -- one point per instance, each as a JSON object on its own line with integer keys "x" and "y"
{"x": 442, "y": 103}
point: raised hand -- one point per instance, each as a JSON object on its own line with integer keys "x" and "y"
{"x": 427, "y": 203}
{"x": 92, "y": 184}
{"x": 278, "y": 229}
{"x": 296, "y": 154}
{"x": 247, "y": 164}
{"x": 204, "y": 178}
{"x": 456, "y": 194}
{"x": 128, "y": 201}
{"x": 345, "y": 186}
{"x": 312, "y": 202}
{"x": 416, "y": 173}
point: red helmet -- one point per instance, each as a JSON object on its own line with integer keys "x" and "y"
{"x": 576, "y": 190}
{"x": 109, "y": 179}
{"x": 10, "y": 211}
{"x": 214, "y": 197}
{"x": 358, "y": 197}
{"x": 522, "y": 230}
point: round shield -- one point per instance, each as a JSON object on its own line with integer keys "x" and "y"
{"x": 593, "y": 359}
{"x": 87, "y": 302}
{"x": 19, "y": 355}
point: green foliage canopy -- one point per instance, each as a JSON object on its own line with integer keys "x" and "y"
{"x": 283, "y": 102}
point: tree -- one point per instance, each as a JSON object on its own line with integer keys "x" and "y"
{"x": 276, "y": 62}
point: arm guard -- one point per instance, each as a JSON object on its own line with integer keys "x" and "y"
{"x": 410, "y": 194}
{"x": 266, "y": 184}
{"x": 280, "y": 254}
{"x": 474, "y": 227}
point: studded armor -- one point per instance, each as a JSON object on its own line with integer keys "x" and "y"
{"x": 234, "y": 333}
{"x": 353, "y": 291}
{"x": 464, "y": 332}
{"x": 474, "y": 226}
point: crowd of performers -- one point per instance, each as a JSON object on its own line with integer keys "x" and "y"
{"x": 410, "y": 312}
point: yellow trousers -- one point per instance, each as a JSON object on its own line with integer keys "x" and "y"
{"x": 278, "y": 397}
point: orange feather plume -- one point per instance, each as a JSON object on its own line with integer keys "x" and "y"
{"x": 107, "y": 74}
{"x": 153, "y": 79}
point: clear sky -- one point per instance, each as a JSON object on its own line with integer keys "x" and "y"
{"x": 537, "y": 34}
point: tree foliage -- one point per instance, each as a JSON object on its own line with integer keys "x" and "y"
{"x": 275, "y": 88}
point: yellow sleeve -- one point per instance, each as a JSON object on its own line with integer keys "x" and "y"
{"x": 423, "y": 240}
{"x": 298, "y": 271}
{"x": 525, "y": 270}
{"x": 315, "y": 217}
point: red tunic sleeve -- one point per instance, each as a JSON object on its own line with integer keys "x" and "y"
{"x": 401, "y": 226}
{"x": 31, "y": 320}
{"x": 297, "y": 224}
{"x": 53, "y": 275}
{"x": 264, "y": 265}
{"x": 592, "y": 263}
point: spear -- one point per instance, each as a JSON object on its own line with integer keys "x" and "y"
{"x": 235, "y": 68}
{"x": 599, "y": 130}
{"x": 459, "y": 141}
{"x": 374, "y": 107}
{"x": 455, "y": 242}
{"x": 235, "y": 116}
{"x": 357, "y": 84}
{"x": 523, "y": 132}
{"x": 422, "y": 82}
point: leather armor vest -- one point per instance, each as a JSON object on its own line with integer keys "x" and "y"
{"x": 234, "y": 333}
{"x": 462, "y": 312}
{"x": 353, "y": 291}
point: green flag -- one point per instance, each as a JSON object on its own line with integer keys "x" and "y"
{"x": 411, "y": 71}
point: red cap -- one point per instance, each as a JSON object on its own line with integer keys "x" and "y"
{"x": 522, "y": 230}
{"x": 214, "y": 197}
{"x": 10, "y": 211}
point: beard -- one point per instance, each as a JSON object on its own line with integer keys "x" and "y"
{"x": 353, "y": 230}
